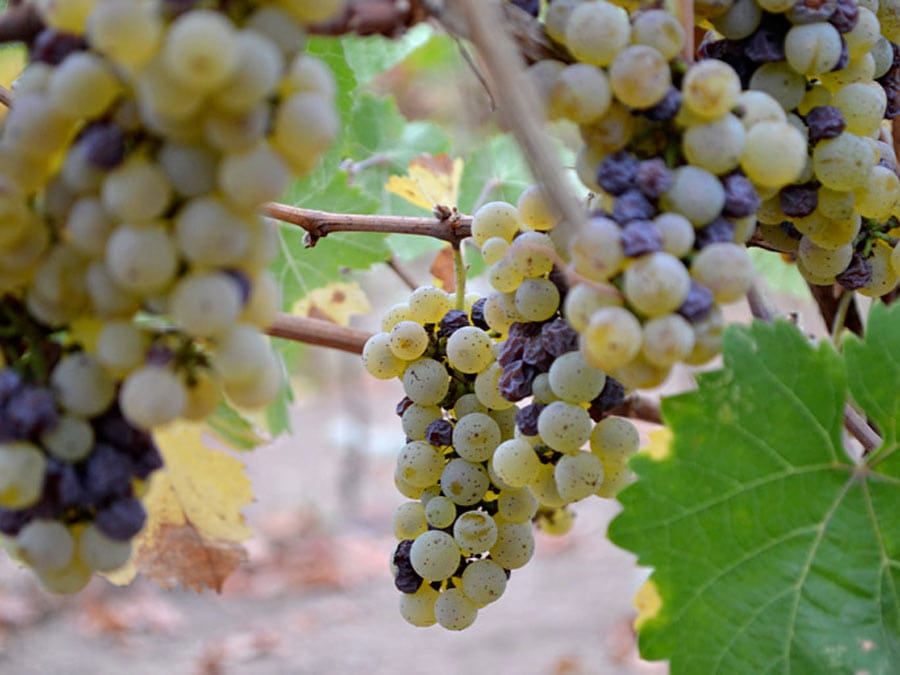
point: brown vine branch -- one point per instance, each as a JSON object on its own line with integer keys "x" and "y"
{"x": 20, "y": 23}
{"x": 454, "y": 228}
{"x": 319, "y": 332}
{"x": 639, "y": 408}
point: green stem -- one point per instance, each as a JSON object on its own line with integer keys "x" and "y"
{"x": 459, "y": 267}
{"x": 840, "y": 316}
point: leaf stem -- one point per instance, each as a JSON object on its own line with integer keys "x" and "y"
{"x": 840, "y": 317}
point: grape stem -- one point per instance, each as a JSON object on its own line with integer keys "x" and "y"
{"x": 451, "y": 226}
{"x": 402, "y": 273}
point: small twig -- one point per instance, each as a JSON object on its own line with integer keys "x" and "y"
{"x": 639, "y": 408}
{"x": 319, "y": 332}
{"x": 354, "y": 168}
{"x": 6, "y": 96}
{"x": 459, "y": 268}
{"x": 861, "y": 430}
{"x": 476, "y": 71}
{"x": 760, "y": 306}
{"x": 322, "y": 223}
{"x": 401, "y": 273}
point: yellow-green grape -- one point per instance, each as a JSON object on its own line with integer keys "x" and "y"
{"x": 614, "y": 440}
{"x": 514, "y": 546}
{"x": 641, "y": 374}
{"x": 475, "y": 436}
{"x": 500, "y": 311}
{"x": 774, "y": 154}
{"x": 574, "y": 380}
{"x": 597, "y": 249}
{"x": 715, "y": 146}
{"x": 434, "y": 555}
{"x": 710, "y": 89}
{"x": 405, "y": 489}
{"x": 83, "y": 85}
{"x": 483, "y": 581}
{"x": 667, "y": 340}
{"x": 504, "y": 276}
{"x": 305, "y": 126}
{"x": 612, "y": 338}
{"x": 861, "y": 69}
{"x": 416, "y": 418}
{"x": 610, "y": 133}
{"x": 100, "y": 552}
{"x": 537, "y": 299}
{"x": 121, "y": 346}
{"x": 583, "y": 300}
{"x": 864, "y": 34}
{"x": 394, "y": 315}
{"x": 426, "y": 381}
{"x": 22, "y": 468}
{"x": 409, "y": 340}
{"x": 824, "y": 262}
{"x": 863, "y": 105}
{"x": 740, "y": 20}
{"x": 596, "y": 32}
{"x": 71, "y": 440}
{"x": 707, "y": 338}
{"x": 882, "y": 56}
{"x": 816, "y": 95}
{"x": 696, "y": 194}
{"x": 199, "y": 49}
{"x": 615, "y": 477}
{"x": 884, "y": 278}
{"x": 557, "y": 16}
{"x": 835, "y": 233}
{"x": 544, "y": 488}
{"x": 516, "y": 505}
{"x": 203, "y": 397}
{"x": 440, "y": 512}
{"x": 495, "y": 219}
{"x": 420, "y": 464}
{"x": 313, "y": 11}
{"x": 417, "y": 608}
{"x": 127, "y": 33}
{"x": 68, "y": 579}
{"x": 677, "y": 233}
{"x": 541, "y": 389}
{"x": 516, "y": 463}
{"x": 535, "y": 210}
{"x": 429, "y": 304}
{"x": 878, "y": 198}
{"x": 152, "y": 396}
{"x": 466, "y": 404}
{"x": 778, "y": 239}
{"x": 45, "y": 544}
{"x": 844, "y": 162}
{"x": 379, "y": 360}
{"x": 141, "y": 259}
{"x": 205, "y": 304}
{"x": 531, "y": 254}
{"x": 640, "y": 76}
{"x": 578, "y": 475}
{"x": 556, "y": 523}
{"x": 724, "y": 268}
{"x": 836, "y": 204}
{"x": 209, "y": 233}
{"x": 758, "y": 106}
{"x": 464, "y": 483}
{"x": 812, "y": 48}
{"x": 454, "y": 611}
{"x": 494, "y": 249}
{"x": 781, "y": 82}
{"x": 543, "y": 75}
{"x": 81, "y": 385}
{"x": 470, "y": 349}
{"x": 565, "y": 427}
{"x": 475, "y": 532}
{"x": 581, "y": 93}
{"x": 409, "y": 520}
{"x": 656, "y": 284}
{"x": 659, "y": 29}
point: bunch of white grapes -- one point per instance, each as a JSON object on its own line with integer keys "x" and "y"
{"x": 474, "y": 478}
{"x": 141, "y": 142}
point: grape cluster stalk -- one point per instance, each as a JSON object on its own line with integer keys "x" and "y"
{"x": 141, "y": 142}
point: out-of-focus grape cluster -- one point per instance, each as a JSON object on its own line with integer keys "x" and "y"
{"x": 141, "y": 141}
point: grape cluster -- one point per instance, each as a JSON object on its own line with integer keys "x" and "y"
{"x": 835, "y": 73}
{"x": 141, "y": 142}
{"x": 475, "y": 471}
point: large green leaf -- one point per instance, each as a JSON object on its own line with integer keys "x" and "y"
{"x": 371, "y": 56}
{"x": 774, "y": 552}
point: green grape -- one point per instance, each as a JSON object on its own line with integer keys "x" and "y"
{"x": 778, "y": 239}
{"x": 640, "y": 374}
{"x": 467, "y": 404}
{"x": 394, "y": 315}
{"x": 253, "y": 176}
{"x": 440, "y": 512}
{"x": 305, "y": 125}
{"x": 583, "y": 300}
{"x": 739, "y": 21}
{"x": 152, "y": 396}
{"x": 667, "y": 340}
{"x": 597, "y": 249}
{"x": 416, "y": 418}
{"x": 408, "y": 340}
{"x": 531, "y": 254}
{"x": 882, "y": 56}
{"x": 504, "y": 276}
{"x": 101, "y": 553}
{"x": 544, "y": 488}
{"x": 541, "y": 389}
{"x": 861, "y": 69}
{"x": 865, "y": 34}
{"x": 483, "y": 581}
{"x": 614, "y": 439}
{"x": 428, "y": 304}
{"x": 514, "y": 546}
{"x": 610, "y": 133}
{"x": 758, "y": 106}
{"x": 500, "y": 311}
{"x": 516, "y": 505}
{"x": 487, "y": 388}
{"x": 475, "y": 532}
{"x": 22, "y": 469}
{"x": 205, "y": 304}
{"x": 81, "y": 385}
{"x": 409, "y": 520}
{"x": 379, "y": 360}
{"x": 494, "y": 249}
{"x": 677, "y": 234}
{"x": 418, "y": 608}
{"x": 816, "y": 95}
{"x": 88, "y": 227}
{"x": 812, "y": 48}
{"x": 715, "y": 146}
{"x": 774, "y": 154}
{"x": 844, "y": 162}
{"x": 121, "y": 346}
{"x": 45, "y": 544}
{"x": 556, "y": 17}
{"x": 470, "y": 349}
{"x": 578, "y": 476}
{"x": 434, "y": 555}
{"x": 506, "y": 420}
{"x": 564, "y": 427}
{"x": 696, "y": 194}
{"x": 557, "y": 523}
{"x": 656, "y": 284}
{"x": 612, "y": 338}
{"x": 836, "y": 233}
{"x": 71, "y": 440}
{"x": 83, "y": 85}
{"x": 580, "y": 93}
{"x": 256, "y": 74}
{"x": 707, "y": 339}
{"x": 725, "y": 269}
{"x": 640, "y": 76}
{"x": 537, "y": 299}
{"x": 426, "y": 381}
{"x": 824, "y": 262}
{"x": 454, "y": 611}
{"x": 781, "y": 82}
{"x": 203, "y": 397}
{"x": 137, "y": 191}
{"x": 125, "y": 32}
{"x": 659, "y": 29}
{"x": 836, "y": 204}
{"x": 596, "y": 32}
{"x": 863, "y": 105}
{"x": 515, "y": 462}
{"x": 535, "y": 209}
{"x": 464, "y": 483}
{"x": 884, "y": 278}
{"x": 574, "y": 380}
{"x": 710, "y": 89}
{"x": 142, "y": 259}
{"x": 878, "y": 198}
{"x": 495, "y": 219}
{"x": 475, "y": 436}
{"x": 615, "y": 477}
{"x": 420, "y": 464}
{"x": 405, "y": 489}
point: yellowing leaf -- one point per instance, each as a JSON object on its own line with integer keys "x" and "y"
{"x": 194, "y": 522}
{"x": 336, "y": 302}
{"x": 647, "y": 602}
{"x": 660, "y": 446}
{"x": 432, "y": 180}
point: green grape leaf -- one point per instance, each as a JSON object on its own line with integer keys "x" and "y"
{"x": 496, "y": 171}
{"x": 773, "y": 551}
{"x": 779, "y": 274}
{"x": 873, "y": 373}
{"x": 233, "y": 429}
{"x": 299, "y": 269}
{"x": 371, "y": 56}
